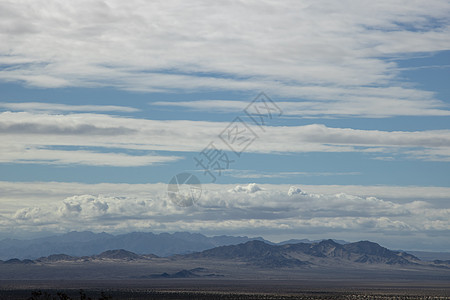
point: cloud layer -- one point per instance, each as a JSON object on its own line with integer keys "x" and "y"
{"x": 252, "y": 209}
{"x": 374, "y": 106}
{"x": 340, "y": 53}
{"x": 33, "y": 137}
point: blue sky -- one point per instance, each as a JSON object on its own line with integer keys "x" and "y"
{"x": 103, "y": 102}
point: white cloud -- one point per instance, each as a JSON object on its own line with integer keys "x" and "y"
{"x": 27, "y": 213}
{"x": 313, "y": 50}
{"x": 56, "y": 107}
{"x": 250, "y": 188}
{"x": 251, "y": 174}
{"x": 257, "y": 209}
{"x": 85, "y": 205}
{"x": 348, "y": 104}
{"x": 29, "y": 155}
{"x": 295, "y": 191}
{"x": 56, "y": 139}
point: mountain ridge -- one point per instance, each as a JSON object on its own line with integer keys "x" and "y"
{"x": 86, "y": 243}
{"x": 260, "y": 253}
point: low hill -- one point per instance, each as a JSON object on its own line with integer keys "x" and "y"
{"x": 118, "y": 254}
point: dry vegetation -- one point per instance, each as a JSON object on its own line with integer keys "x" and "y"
{"x": 209, "y": 295}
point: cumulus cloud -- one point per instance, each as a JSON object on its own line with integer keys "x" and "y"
{"x": 293, "y": 190}
{"x": 261, "y": 209}
{"x": 100, "y": 207}
{"x": 250, "y": 188}
{"x": 86, "y": 205}
{"x": 288, "y": 48}
{"x": 27, "y": 213}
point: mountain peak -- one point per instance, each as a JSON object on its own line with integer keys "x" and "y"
{"x": 329, "y": 242}
{"x": 253, "y": 252}
{"x": 366, "y": 247}
{"x": 118, "y": 254}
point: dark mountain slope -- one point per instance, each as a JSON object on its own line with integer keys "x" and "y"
{"x": 361, "y": 252}
{"x": 260, "y": 253}
{"x": 255, "y": 252}
{"x": 118, "y": 254}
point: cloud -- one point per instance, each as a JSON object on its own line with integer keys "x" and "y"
{"x": 295, "y": 191}
{"x": 27, "y": 213}
{"x": 250, "y": 188}
{"x": 30, "y": 155}
{"x": 57, "y": 139}
{"x": 292, "y": 49}
{"x": 250, "y": 174}
{"x": 86, "y": 206}
{"x": 350, "y": 104}
{"x": 56, "y": 107}
{"x": 255, "y": 209}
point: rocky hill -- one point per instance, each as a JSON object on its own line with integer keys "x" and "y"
{"x": 258, "y": 252}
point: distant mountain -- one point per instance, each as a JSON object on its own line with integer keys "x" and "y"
{"x": 256, "y": 252}
{"x": 326, "y": 253}
{"x": 369, "y": 252}
{"x": 193, "y": 273}
{"x": 252, "y": 260}
{"x": 118, "y": 254}
{"x": 57, "y": 257}
{"x": 260, "y": 253}
{"x": 442, "y": 262}
{"x": 15, "y": 261}
{"x": 180, "y": 274}
{"x": 296, "y": 241}
{"x": 88, "y": 243}
{"x": 430, "y": 256}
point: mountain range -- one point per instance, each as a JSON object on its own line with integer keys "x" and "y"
{"x": 254, "y": 259}
{"x": 88, "y": 243}
{"x": 285, "y": 255}
{"x": 260, "y": 253}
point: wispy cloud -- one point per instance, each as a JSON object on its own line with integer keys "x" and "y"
{"x": 349, "y": 105}
{"x": 68, "y": 157}
{"x": 48, "y": 138}
{"x": 57, "y": 107}
{"x": 251, "y": 174}
{"x": 292, "y": 49}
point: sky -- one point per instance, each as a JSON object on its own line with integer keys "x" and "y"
{"x": 298, "y": 119}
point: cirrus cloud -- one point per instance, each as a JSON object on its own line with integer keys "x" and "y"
{"x": 57, "y": 139}
{"x": 312, "y": 50}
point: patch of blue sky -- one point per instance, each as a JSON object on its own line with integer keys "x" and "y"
{"x": 430, "y": 71}
{"x": 312, "y": 168}
{"x": 16, "y": 93}
{"x": 345, "y": 165}
{"x": 427, "y": 23}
